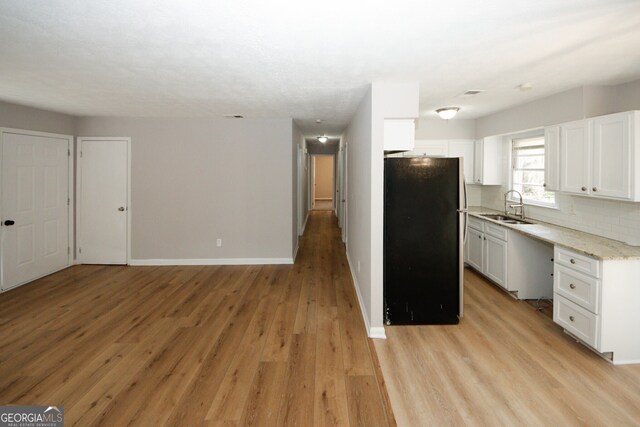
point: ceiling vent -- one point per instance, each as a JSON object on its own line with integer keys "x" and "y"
{"x": 234, "y": 116}
{"x": 471, "y": 92}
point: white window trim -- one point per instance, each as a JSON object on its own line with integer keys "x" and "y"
{"x": 522, "y": 135}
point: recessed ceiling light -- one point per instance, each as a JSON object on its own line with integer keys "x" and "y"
{"x": 318, "y": 121}
{"x": 323, "y": 139}
{"x": 447, "y": 113}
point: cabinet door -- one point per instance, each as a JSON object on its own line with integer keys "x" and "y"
{"x": 495, "y": 260}
{"x": 474, "y": 248}
{"x": 611, "y": 156}
{"x": 464, "y": 149}
{"x": 399, "y": 134}
{"x": 477, "y": 161}
{"x": 575, "y": 141}
{"x": 431, "y": 148}
{"x": 552, "y": 158}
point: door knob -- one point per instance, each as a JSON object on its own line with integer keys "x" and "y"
{"x": 121, "y": 208}
{"x": 9, "y": 222}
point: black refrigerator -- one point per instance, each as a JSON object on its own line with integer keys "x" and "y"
{"x": 424, "y": 227}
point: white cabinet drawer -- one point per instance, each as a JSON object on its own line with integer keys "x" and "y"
{"x": 579, "y": 288}
{"x": 575, "y": 319}
{"x": 476, "y": 223}
{"x": 577, "y": 262}
{"x": 496, "y": 231}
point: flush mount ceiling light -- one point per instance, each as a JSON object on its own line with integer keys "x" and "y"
{"x": 447, "y": 113}
{"x": 323, "y": 139}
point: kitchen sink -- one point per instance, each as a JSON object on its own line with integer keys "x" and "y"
{"x": 506, "y": 219}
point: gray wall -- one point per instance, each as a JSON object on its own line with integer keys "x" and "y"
{"x": 21, "y": 117}
{"x": 627, "y": 96}
{"x": 574, "y": 104}
{"x": 562, "y": 107}
{"x": 198, "y": 179}
{"x": 445, "y": 129}
{"x": 359, "y": 171}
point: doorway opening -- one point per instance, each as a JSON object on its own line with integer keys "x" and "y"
{"x": 323, "y": 182}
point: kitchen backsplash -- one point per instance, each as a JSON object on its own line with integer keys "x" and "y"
{"x": 474, "y": 195}
{"x": 611, "y": 219}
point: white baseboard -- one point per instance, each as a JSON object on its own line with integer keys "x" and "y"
{"x": 377, "y": 332}
{"x": 304, "y": 225}
{"x": 295, "y": 251}
{"x": 212, "y": 261}
{"x": 372, "y": 332}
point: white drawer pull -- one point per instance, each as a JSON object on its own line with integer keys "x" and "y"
{"x": 572, "y": 318}
{"x": 572, "y": 261}
{"x": 572, "y": 286}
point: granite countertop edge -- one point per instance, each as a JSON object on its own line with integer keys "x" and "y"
{"x": 591, "y": 245}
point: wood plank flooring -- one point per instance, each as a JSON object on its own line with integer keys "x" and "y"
{"x": 504, "y": 364}
{"x": 197, "y": 346}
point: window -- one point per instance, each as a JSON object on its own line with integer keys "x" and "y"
{"x": 527, "y": 166}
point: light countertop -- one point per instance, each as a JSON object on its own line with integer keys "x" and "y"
{"x": 579, "y": 241}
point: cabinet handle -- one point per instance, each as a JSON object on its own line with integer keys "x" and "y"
{"x": 572, "y": 318}
{"x": 594, "y": 189}
{"x": 572, "y": 261}
{"x": 584, "y": 188}
{"x": 485, "y": 238}
{"x": 544, "y": 185}
{"x": 572, "y": 286}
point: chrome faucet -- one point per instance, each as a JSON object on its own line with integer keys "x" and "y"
{"x": 515, "y": 206}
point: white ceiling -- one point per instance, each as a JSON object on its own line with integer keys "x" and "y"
{"x": 306, "y": 60}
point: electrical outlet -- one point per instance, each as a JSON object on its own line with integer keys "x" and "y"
{"x": 358, "y": 266}
{"x": 219, "y": 242}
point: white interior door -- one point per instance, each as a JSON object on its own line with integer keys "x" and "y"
{"x": 103, "y": 201}
{"x": 35, "y": 206}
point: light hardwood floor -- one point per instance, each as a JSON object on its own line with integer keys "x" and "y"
{"x": 191, "y": 346}
{"x": 504, "y": 364}
{"x": 323, "y": 205}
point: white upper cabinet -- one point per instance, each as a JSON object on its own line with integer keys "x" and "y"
{"x": 611, "y": 159}
{"x": 552, "y": 158}
{"x": 600, "y": 157}
{"x": 575, "y": 142}
{"x": 430, "y": 148}
{"x": 462, "y": 148}
{"x": 487, "y": 167}
{"x": 399, "y": 134}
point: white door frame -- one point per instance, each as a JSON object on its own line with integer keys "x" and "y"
{"x": 79, "y": 185}
{"x": 299, "y": 174}
{"x": 312, "y": 182}
{"x": 344, "y": 195}
{"x": 70, "y": 196}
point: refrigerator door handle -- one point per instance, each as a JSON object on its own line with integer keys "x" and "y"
{"x": 465, "y": 210}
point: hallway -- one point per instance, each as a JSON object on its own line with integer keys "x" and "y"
{"x": 196, "y": 345}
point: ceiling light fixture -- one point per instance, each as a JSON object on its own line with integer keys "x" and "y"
{"x": 323, "y": 139}
{"x": 447, "y": 112}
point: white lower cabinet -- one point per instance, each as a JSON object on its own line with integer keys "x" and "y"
{"x": 474, "y": 248}
{"x": 519, "y": 264}
{"x": 596, "y": 302}
{"x": 495, "y": 264}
